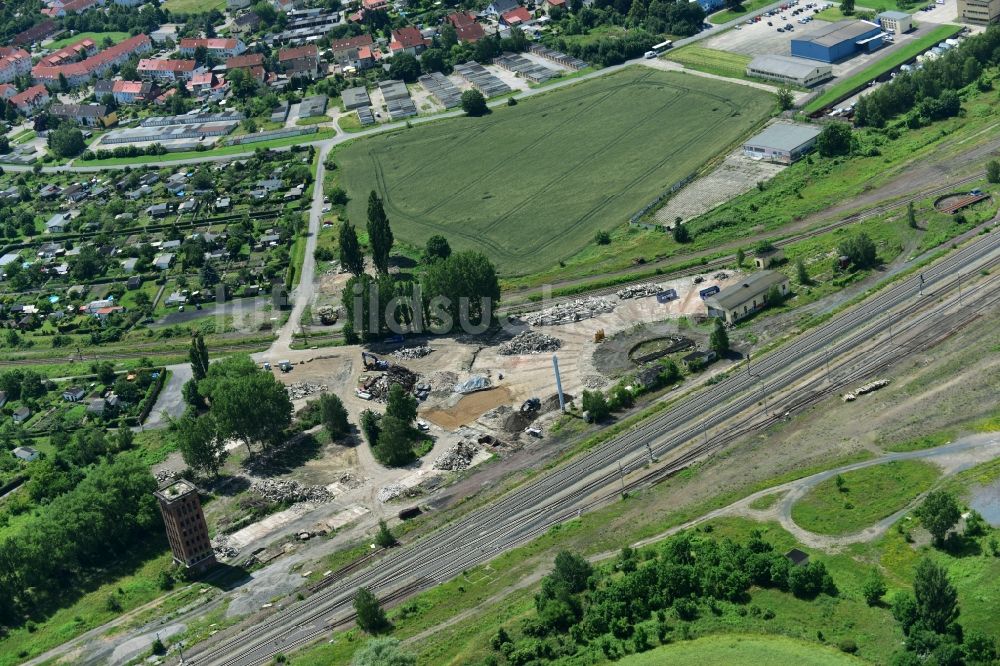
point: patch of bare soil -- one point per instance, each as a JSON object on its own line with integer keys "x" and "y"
{"x": 468, "y": 408}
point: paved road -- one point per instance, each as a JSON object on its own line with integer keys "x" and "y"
{"x": 170, "y": 403}
{"x": 553, "y": 498}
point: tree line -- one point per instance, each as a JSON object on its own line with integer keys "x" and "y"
{"x": 931, "y": 92}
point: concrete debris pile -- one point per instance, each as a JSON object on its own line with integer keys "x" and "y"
{"x": 396, "y": 374}
{"x": 327, "y": 314}
{"x": 867, "y": 388}
{"x": 278, "y": 490}
{"x": 473, "y": 384}
{"x": 567, "y": 313}
{"x": 594, "y": 382}
{"x": 349, "y": 481}
{"x": 389, "y": 493}
{"x": 457, "y": 458}
{"x": 165, "y": 475}
{"x": 223, "y": 550}
{"x": 639, "y": 291}
{"x": 721, "y": 275}
{"x": 299, "y": 390}
{"x": 529, "y": 342}
{"x": 412, "y": 352}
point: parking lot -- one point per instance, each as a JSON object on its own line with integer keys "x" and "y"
{"x": 760, "y": 39}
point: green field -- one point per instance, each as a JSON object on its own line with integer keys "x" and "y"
{"x": 98, "y": 37}
{"x": 868, "y": 495}
{"x": 727, "y": 15}
{"x": 723, "y": 63}
{"x": 912, "y": 48}
{"x": 194, "y": 6}
{"x": 738, "y": 649}
{"x": 530, "y": 185}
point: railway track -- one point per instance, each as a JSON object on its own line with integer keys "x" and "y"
{"x": 555, "y": 497}
{"x": 723, "y": 262}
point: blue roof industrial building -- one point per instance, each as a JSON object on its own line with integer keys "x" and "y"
{"x": 839, "y": 40}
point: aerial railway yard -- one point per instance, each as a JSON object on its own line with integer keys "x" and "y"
{"x": 858, "y": 343}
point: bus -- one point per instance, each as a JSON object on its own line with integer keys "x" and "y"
{"x": 663, "y": 46}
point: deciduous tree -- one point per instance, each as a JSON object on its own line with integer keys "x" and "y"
{"x": 938, "y": 513}
{"x": 370, "y": 616}
{"x": 198, "y": 354}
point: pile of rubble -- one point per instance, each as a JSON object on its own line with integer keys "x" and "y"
{"x": 529, "y": 342}
{"x": 639, "y": 291}
{"x": 594, "y": 382}
{"x": 327, "y": 314}
{"x": 390, "y": 492}
{"x": 165, "y": 475}
{"x": 299, "y": 390}
{"x": 378, "y": 388}
{"x": 507, "y": 419}
{"x": 349, "y": 481}
{"x": 223, "y": 550}
{"x": 276, "y": 490}
{"x": 457, "y": 458}
{"x": 412, "y": 352}
{"x": 567, "y": 313}
{"x": 867, "y": 388}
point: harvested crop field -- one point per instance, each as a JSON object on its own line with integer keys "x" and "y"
{"x": 529, "y": 185}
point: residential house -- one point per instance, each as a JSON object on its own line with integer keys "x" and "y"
{"x": 97, "y": 407}
{"x": 126, "y": 92}
{"x": 247, "y": 61}
{"x": 374, "y": 5}
{"x": 104, "y": 313}
{"x": 408, "y": 40}
{"x": 158, "y": 210}
{"x": 163, "y": 261}
{"x": 97, "y": 65}
{"x": 466, "y": 28}
{"x": 202, "y": 82}
{"x": 133, "y": 282}
{"x": 21, "y": 414}
{"x": 219, "y": 47}
{"x": 498, "y": 8}
{"x": 341, "y": 49}
{"x": 75, "y": 52}
{"x": 129, "y": 265}
{"x": 25, "y": 453}
{"x": 246, "y": 23}
{"x": 73, "y": 394}
{"x": 515, "y": 17}
{"x": 31, "y": 99}
{"x": 14, "y": 62}
{"x": 57, "y": 224}
{"x": 7, "y": 90}
{"x": 300, "y": 61}
{"x": 166, "y": 70}
{"x": 175, "y": 299}
{"x": 549, "y": 5}
{"x": 91, "y": 115}
{"x": 36, "y": 33}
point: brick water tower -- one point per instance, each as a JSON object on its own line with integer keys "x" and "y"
{"x": 187, "y": 530}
